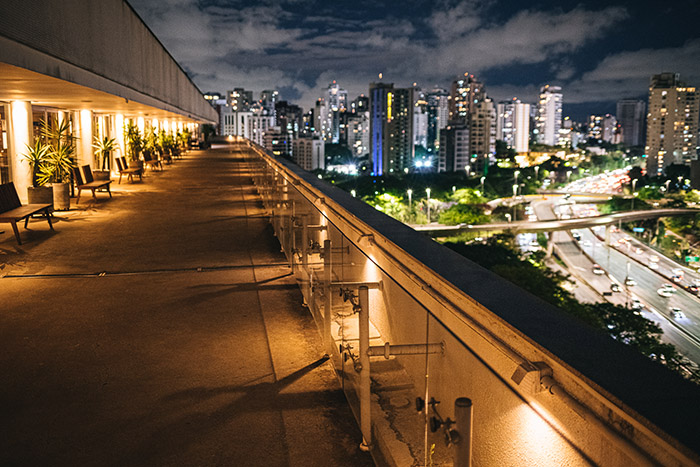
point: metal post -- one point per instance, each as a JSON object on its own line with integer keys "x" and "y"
{"x": 365, "y": 422}
{"x": 327, "y": 299}
{"x": 463, "y": 425}
{"x": 304, "y": 245}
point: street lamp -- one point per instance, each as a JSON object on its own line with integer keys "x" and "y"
{"x": 568, "y": 176}
{"x": 427, "y": 191}
{"x": 483, "y": 179}
{"x": 667, "y": 183}
{"x": 537, "y": 172}
{"x": 515, "y": 193}
{"x": 680, "y": 180}
{"x": 468, "y": 169}
{"x": 516, "y": 173}
{"x": 634, "y": 185}
{"x": 353, "y": 193}
{"x": 409, "y": 192}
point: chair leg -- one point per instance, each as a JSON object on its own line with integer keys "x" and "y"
{"x": 48, "y": 218}
{"x": 26, "y": 221}
{"x": 120, "y": 178}
{"x": 109, "y": 191}
{"x": 78, "y": 200}
{"x": 16, "y": 230}
{"x": 93, "y": 194}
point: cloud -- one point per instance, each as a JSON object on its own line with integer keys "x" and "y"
{"x": 270, "y": 45}
{"x": 628, "y": 73}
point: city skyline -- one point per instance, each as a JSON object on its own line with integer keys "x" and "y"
{"x": 597, "y": 52}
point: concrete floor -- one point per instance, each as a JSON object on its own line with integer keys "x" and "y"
{"x": 162, "y": 327}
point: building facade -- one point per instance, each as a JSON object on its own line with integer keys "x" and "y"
{"x": 120, "y": 74}
{"x": 631, "y": 115}
{"x": 513, "y": 125}
{"x": 549, "y": 113}
{"x": 391, "y": 128}
{"x": 309, "y": 153}
{"x": 672, "y": 123}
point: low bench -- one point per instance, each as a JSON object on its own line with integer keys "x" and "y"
{"x": 124, "y": 169}
{"x": 12, "y": 211}
{"x": 85, "y": 181}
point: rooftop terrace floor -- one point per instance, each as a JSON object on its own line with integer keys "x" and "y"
{"x": 162, "y": 327}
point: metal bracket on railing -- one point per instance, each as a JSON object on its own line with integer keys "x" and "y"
{"x": 436, "y": 421}
{"x": 339, "y": 249}
{"x": 347, "y": 353}
{"x": 387, "y": 350}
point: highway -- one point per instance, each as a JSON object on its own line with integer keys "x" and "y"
{"x": 680, "y": 333}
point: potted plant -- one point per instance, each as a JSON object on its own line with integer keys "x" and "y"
{"x": 134, "y": 145}
{"x": 36, "y": 156}
{"x": 103, "y": 150}
{"x": 56, "y": 169}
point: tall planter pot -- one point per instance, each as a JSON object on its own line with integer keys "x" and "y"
{"x": 40, "y": 195}
{"x": 61, "y": 196}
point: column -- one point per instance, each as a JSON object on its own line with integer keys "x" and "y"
{"x": 19, "y": 136}
{"x": 83, "y": 146}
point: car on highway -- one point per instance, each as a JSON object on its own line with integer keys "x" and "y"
{"x": 629, "y": 282}
{"x": 638, "y": 250}
{"x": 615, "y": 287}
{"x": 653, "y": 265}
{"x": 693, "y": 288}
{"x": 677, "y": 313}
{"x": 666, "y": 290}
{"x": 676, "y": 278}
{"x": 637, "y": 304}
{"x": 576, "y": 235}
{"x": 654, "y": 259}
{"x": 597, "y": 270}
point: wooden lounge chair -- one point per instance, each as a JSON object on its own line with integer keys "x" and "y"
{"x": 12, "y": 211}
{"x": 149, "y": 161}
{"x": 124, "y": 169}
{"x": 85, "y": 181}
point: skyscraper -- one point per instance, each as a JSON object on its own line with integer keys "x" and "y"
{"x": 672, "y": 123}
{"x": 631, "y": 117}
{"x": 438, "y": 115}
{"x": 464, "y": 93}
{"x": 549, "y": 115}
{"x": 336, "y": 102}
{"x": 239, "y": 99}
{"x": 513, "y": 124}
{"x": 391, "y": 128}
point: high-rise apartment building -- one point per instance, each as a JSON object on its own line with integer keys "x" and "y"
{"x": 309, "y": 153}
{"x": 482, "y": 135}
{"x": 391, "y": 128}
{"x": 549, "y": 115}
{"x": 454, "y": 154}
{"x": 438, "y": 116}
{"x": 464, "y": 93}
{"x": 335, "y": 103}
{"x": 672, "y": 123}
{"x": 513, "y": 124}
{"x": 358, "y": 133}
{"x": 239, "y": 99}
{"x": 631, "y": 115}
{"x": 420, "y": 123}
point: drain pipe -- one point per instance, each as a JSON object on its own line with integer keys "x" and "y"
{"x": 327, "y": 300}
{"x": 365, "y": 422}
{"x": 463, "y": 425}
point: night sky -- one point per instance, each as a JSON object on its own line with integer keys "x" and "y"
{"x": 597, "y": 51}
